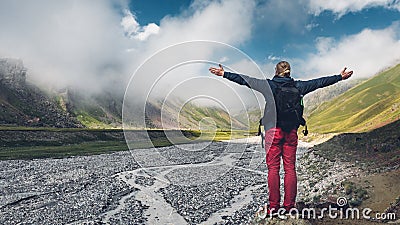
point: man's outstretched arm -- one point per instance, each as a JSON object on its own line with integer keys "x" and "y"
{"x": 311, "y": 85}
{"x": 251, "y": 82}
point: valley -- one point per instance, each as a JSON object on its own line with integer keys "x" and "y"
{"x": 65, "y": 154}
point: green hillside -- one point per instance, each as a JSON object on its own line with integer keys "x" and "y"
{"x": 190, "y": 116}
{"x": 29, "y": 106}
{"x": 102, "y": 111}
{"x": 315, "y": 98}
{"x": 369, "y": 105}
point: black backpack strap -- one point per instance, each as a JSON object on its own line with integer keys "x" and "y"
{"x": 262, "y": 140}
{"x": 260, "y": 133}
{"x": 305, "y": 131}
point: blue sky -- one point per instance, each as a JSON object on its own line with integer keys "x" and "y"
{"x": 318, "y": 37}
{"x": 279, "y": 40}
{"x": 150, "y": 11}
{"x": 75, "y": 43}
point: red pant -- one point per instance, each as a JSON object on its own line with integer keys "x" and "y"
{"x": 281, "y": 144}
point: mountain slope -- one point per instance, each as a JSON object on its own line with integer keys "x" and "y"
{"x": 28, "y": 106}
{"x": 176, "y": 115}
{"x": 369, "y": 105}
{"x": 23, "y": 104}
{"x": 316, "y": 98}
{"x": 101, "y": 111}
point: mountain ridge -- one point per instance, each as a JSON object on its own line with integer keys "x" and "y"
{"x": 24, "y": 104}
{"x": 360, "y": 106}
{"x": 366, "y": 106}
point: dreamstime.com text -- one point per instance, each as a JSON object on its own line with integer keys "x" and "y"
{"x": 329, "y": 212}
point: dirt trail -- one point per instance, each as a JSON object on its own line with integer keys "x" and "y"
{"x": 382, "y": 188}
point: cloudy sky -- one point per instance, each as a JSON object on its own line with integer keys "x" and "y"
{"x": 318, "y": 36}
{"x": 102, "y": 43}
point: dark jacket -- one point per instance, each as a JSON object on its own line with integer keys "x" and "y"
{"x": 268, "y": 87}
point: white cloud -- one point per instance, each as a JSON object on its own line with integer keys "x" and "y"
{"x": 148, "y": 30}
{"x": 342, "y": 7}
{"x": 227, "y": 21}
{"x": 311, "y": 26}
{"x": 134, "y": 30}
{"x": 204, "y": 20}
{"x": 324, "y": 44}
{"x": 224, "y": 59}
{"x": 277, "y": 14}
{"x": 274, "y": 58}
{"x": 367, "y": 53}
{"x": 93, "y": 47}
{"x": 129, "y": 23}
{"x": 65, "y": 43}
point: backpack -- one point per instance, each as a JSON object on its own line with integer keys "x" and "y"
{"x": 289, "y": 104}
{"x": 289, "y": 107}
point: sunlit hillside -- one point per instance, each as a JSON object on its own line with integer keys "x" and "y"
{"x": 369, "y": 105}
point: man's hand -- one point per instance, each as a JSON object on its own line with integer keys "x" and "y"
{"x": 217, "y": 71}
{"x": 345, "y": 74}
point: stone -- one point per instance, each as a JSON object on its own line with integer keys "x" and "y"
{"x": 12, "y": 72}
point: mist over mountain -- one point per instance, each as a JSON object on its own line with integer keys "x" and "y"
{"x": 24, "y": 104}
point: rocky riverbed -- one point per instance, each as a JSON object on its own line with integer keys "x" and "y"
{"x": 203, "y": 183}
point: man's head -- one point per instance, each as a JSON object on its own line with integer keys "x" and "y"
{"x": 282, "y": 69}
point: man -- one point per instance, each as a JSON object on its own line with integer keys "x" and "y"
{"x": 281, "y": 137}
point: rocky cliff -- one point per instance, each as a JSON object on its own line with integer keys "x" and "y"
{"x": 23, "y": 104}
{"x": 12, "y": 73}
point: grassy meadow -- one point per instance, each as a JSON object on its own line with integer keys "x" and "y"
{"x": 367, "y": 106}
{"x": 33, "y": 143}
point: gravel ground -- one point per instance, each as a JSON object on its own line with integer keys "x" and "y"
{"x": 219, "y": 183}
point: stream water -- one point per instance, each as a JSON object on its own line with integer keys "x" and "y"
{"x": 159, "y": 210}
